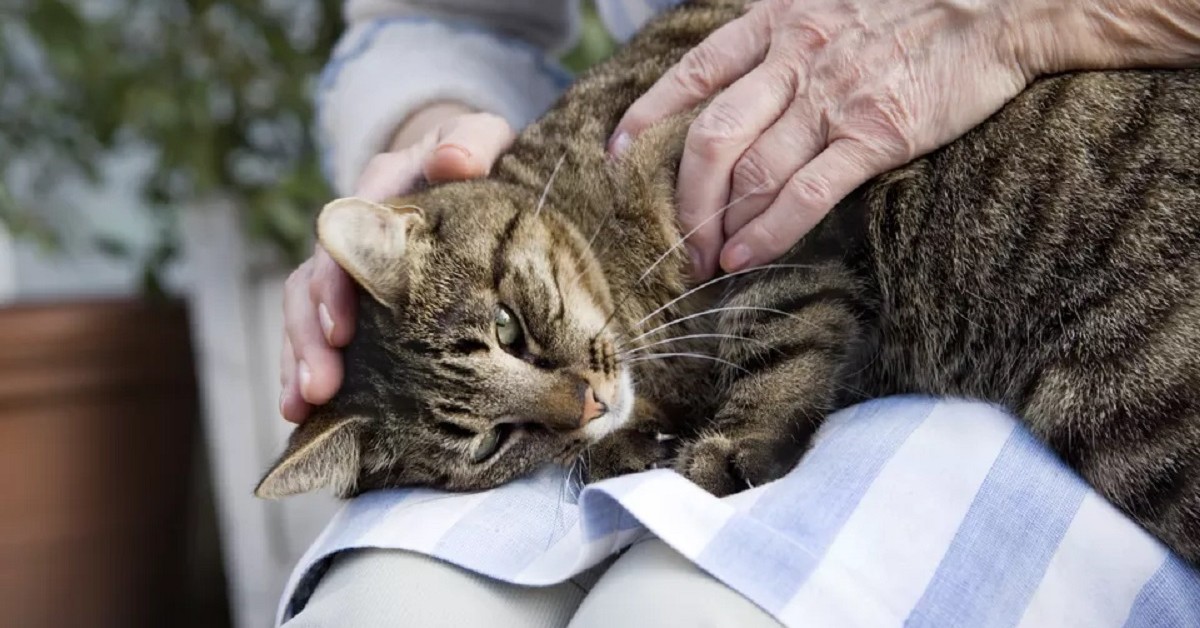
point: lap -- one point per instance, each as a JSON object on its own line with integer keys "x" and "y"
{"x": 372, "y": 588}
{"x": 650, "y": 585}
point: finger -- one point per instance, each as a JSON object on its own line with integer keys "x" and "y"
{"x": 468, "y": 147}
{"x": 803, "y": 202}
{"x": 727, "y": 54}
{"x": 715, "y": 141}
{"x": 390, "y": 174}
{"x": 333, "y": 293}
{"x": 287, "y": 362}
{"x": 769, "y": 163}
{"x": 319, "y": 367}
{"x": 291, "y": 405}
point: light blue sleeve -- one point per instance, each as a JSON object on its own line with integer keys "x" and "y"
{"x": 397, "y": 56}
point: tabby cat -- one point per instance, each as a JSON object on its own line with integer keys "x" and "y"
{"x": 1048, "y": 261}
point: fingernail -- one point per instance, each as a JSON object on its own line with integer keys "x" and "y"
{"x": 462, "y": 150}
{"x": 326, "y": 322}
{"x": 305, "y": 376}
{"x": 736, "y": 258}
{"x": 620, "y": 144}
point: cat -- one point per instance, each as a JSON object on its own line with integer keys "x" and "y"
{"x": 1047, "y": 261}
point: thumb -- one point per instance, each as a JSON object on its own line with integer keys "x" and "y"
{"x": 467, "y": 147}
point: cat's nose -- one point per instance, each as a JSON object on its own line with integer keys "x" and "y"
{"x": 593, "y": 407}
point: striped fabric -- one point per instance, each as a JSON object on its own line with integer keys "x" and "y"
{"x": 906, "y": 512}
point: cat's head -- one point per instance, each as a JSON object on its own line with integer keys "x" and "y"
{"x": 483, "y": 350}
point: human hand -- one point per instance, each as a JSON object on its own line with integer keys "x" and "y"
{"x": 443, "y": 142}
{"x": 821, "y": 96}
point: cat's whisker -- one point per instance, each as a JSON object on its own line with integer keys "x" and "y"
{"x": 728, "y": 308}
{"x": 549, "y": 182}
{"x": 713, "y": 281}
{"x": 595, "y": 254}
{"x": 680, "y": 242}
{"x": 720, "y": 212}
{"x": 699, "y": 356}
{"x": 611, "y": 210}
{"x": 688, "y": 337}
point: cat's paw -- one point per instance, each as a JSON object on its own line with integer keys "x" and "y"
{"x": 723, "y": 465}
{"x": 627, "y": 451}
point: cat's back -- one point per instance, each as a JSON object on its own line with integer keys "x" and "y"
{"x": 1064, "y": 231}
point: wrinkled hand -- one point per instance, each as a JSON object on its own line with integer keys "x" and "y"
{"x": 447, "y": 143}
{"x": 821, "y": 96}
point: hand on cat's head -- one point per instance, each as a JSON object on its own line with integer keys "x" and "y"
{"x": 441, "y": 143}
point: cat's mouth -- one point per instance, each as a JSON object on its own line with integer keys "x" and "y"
{"x": 620, "y": 408}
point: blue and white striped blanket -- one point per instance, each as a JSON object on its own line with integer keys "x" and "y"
{"x": 906, "y": 512}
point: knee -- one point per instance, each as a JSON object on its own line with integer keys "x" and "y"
{"x": 377, "y": 588}
{"x": 653, "y": 585}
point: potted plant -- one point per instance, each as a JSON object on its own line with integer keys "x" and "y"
{"x": 98, "y": 400}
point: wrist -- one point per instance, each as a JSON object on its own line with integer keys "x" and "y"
{"x": 424, "y": 121}
{"x": 1060, "y": 36}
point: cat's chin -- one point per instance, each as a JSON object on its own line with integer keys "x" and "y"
{"x": 620, "y": 409}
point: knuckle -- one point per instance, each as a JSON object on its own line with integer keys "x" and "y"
{"x": 808, "y": 35}
{"x": 812, "y": 189}
{"x": 893, "y": 125}
{"x": 716, "y": 129}
{"x": 786, "y": 79}
{"x": 697, "y": 71}
{"x": 750, "y": 176}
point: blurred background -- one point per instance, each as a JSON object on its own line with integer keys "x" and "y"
{"x": 158, "y": 180}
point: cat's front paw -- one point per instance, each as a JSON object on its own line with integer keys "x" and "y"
{"x": 627, "y": 451}
{"x": 723, "y": 465}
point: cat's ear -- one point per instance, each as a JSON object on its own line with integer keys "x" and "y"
{"x": 369, "y": 241}
{"x": 322, "y": 451}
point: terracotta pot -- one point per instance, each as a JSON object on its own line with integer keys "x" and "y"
{"x": 97, "y": 424}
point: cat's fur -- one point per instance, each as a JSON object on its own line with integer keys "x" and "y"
{"x": 1048, "y": 261}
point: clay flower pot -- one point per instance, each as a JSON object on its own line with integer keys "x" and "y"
{"x": 98, "y": 419}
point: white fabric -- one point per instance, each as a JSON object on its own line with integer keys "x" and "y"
{"x": 906, "y": 512}
{"x": 398, "y": 55}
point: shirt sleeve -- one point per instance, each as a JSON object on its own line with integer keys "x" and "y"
{"x": 396, "y": 56}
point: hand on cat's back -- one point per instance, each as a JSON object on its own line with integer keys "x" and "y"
{"x": 440, "y": 143}
{"x": 818, "y": 97}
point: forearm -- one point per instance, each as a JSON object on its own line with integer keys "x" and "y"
{"x": 1064, "y": 35}
{"x": 393, "y": 63}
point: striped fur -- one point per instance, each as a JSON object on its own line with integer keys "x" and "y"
{"x": 1048, "y": 261}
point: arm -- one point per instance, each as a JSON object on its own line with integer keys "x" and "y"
{"x": 821, "y": 95}
{"x": 398, "y": 56}
{"x": 1111, "y": 34}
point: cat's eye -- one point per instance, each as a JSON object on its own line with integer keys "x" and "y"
{"x": 487, "y": 445}
{"x": 508, "y": 328}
